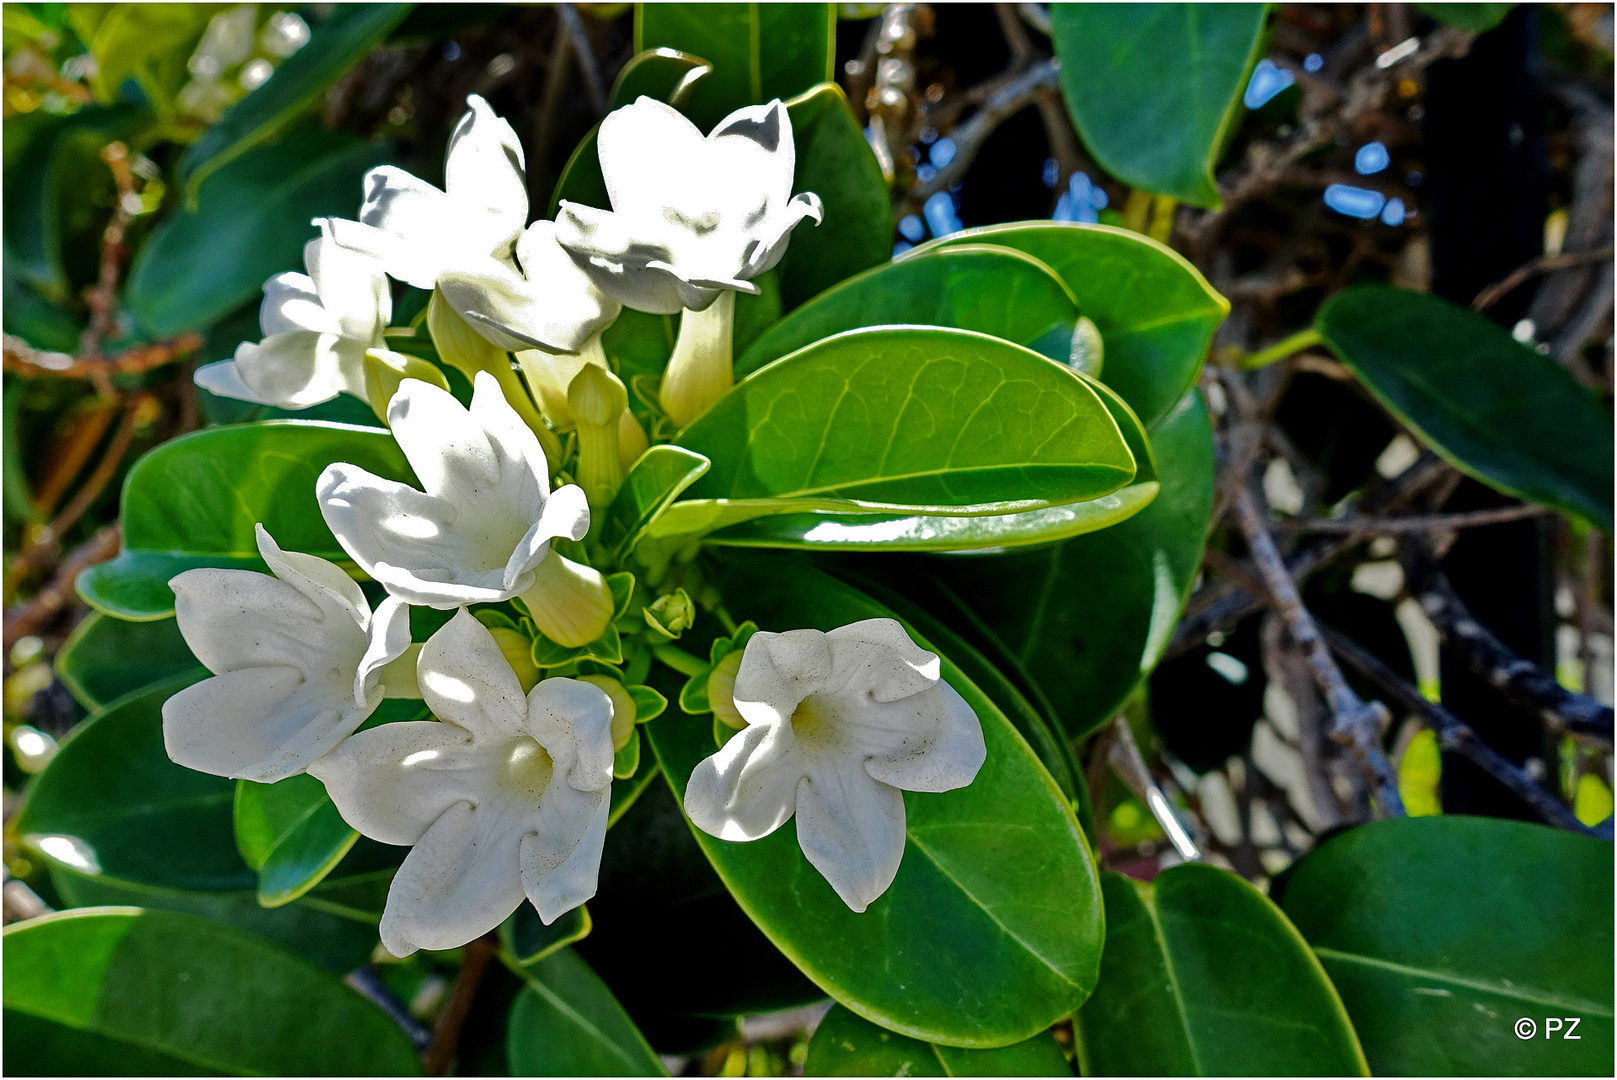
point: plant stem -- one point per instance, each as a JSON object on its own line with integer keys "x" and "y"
{"x": 474, "y": 960}
{"x": 1289, "y": 346}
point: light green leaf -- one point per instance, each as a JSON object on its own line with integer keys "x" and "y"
{"x": 125, "y": 38}
{"x": 847, "y": 1045}
{"x": 1155, "y": 125}
{"x": 566, "y": 1022}
{"x": 106, "y": 658}
{"x": 653, "y": 482}
{"x": 290, "y": 832}
{"x": 991, "y": 930}
{"x": 299, "y": 83}
{"x": 993, "y": 290}
{"x": 1203, "y": 976}
{"x": 1441, "y": 933}
{"x": 759, "y": 51}
{"x": 1155, "y": 312}
{"x": 250, "y": 222}
{"x": 1499, "y": 411}
{"x": 126, "y": 991}
{"x": 193, "y": 501}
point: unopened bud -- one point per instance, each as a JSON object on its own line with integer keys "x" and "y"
{"x": 1087, "y": 348}
{"x": 671, "y": 614}
{"x": 623, "y": 709}
{"x": 385, "y": 370}
{"x": 518, "y": 652}
{"x": 569, "y": 602}
{"x": 632, "y": 441}
{"x": 721, "y": 690}
{"x": 597, "y": 400}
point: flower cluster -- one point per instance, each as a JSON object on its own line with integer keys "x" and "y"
{"x": 504, "y": 794}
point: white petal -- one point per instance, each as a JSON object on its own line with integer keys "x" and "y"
{"x": 501, "y": 305}
{"x": 349, "y": 289}
{"x": 766, "y": 130}
{"x": 234, "y": 619}
{"x": 615, "y": 257}
{"x": 945, "y": 751}
{"x": 485, "y": 176}
{"x": 222, "y": 378}
{"x": 322, "y": 581}
{"x": 572, "y": 720}
{"x": 778, "y": 671}
{"x": 389, "y": 639}
{"x": 561, "y": 863}
{"x": 878, "y": 658}
{"x": 291, "y": 302}
{"x": 292, "y": 370}
{"x": 231, "y": 722}
{"x": 566, "y": 513}
{"x": 851, "y": 829}
{"x": 448, "y": 449}
{"x": 393, "y": 781}
{"x": 466, "y": 680}
{"x": 777, "y": 232}
{"x": 415, "y": 263}
{"x": 642, "y": 146}
{"x": 461, "y": 880}
{"x": 748, "y": 789}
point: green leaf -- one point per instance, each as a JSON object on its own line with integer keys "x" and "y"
{"x": 299, "y": 84}
{"x": 653, "y": 482}
{"x": 847, "y": 1045}
{"x": 566, "y": 1022}
{"x": 525, "y": 940}
{"x": 759, "y": 51}
{"x": 1441, "y": 932}
{"x": 106, "y": 658}
{"x": 902, "y": 419}
{"x": 1155, "y": 311}
{"x": 291, "y": 833}
{"x": 661, "y": 73}
{"x": 1203, "y": 976}
{"x": 250, "y": 222}
{"x": 126, "y": 991}
{"x": 193, "y": 501}
{"x": 1499, "y": 411}
{"x": 991, "y": 930}
{"x": 1090, "y": 617}
{"x": 1473, "y": 17}
{"x": 125, "y": 38}
{"x": 992, "y": 290}
{"x": 1117, "y": 87}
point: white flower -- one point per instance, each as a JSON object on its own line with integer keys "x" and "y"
{"x": 417, "y": 230}
{"x": 480, "y": 531}
{"x": 316, "y": 327}
{"x": 691, "y": 216}
{"x": 837, "y": 724}
{"x": 297, "y": 661}
{"x": 507, "y": 797}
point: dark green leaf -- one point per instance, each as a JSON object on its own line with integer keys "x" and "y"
{"x": 250, "y": 222}
{"x": 1117, "y": 87}
{"x": 991, "y": 930}
{"x": 1499, "y": 411}
{"x": 125, "y": 991}
{"x": 993, "y": 290}
{"x": 194, "y": 501}
{"x": 651, "y": 484}
{"x": 106, "y": 658}
{"x": 299, "y": 83}
{"x": 1442, "y": 932}
{"x": 662, "y": 73}
{"x": 291, "y": 833}
{"x": 848, "y": 1045}
{"x": 567, "y": 1023}
{"x": 525, "y": 940}
{"x": 1155, "y": 312}
{"x": 1473, "y": 17}
{"x": 758, "y": 51}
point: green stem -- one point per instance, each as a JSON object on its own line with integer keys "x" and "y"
{"x": 1296, "y": 343}
{"x": 680, "y": 660}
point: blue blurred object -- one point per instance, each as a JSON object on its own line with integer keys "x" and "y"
{"x": 1080, "y": 201}
{"x": 900, "y": 247}
{"x": 1052, "y": 172}
{"x": 943, "y": 152}
{"x": 925, "y": 173}
{"x": 940, "y": 214}
{"x": 1313, "y": 62}
{"x": 911, "y": 228}
{"x": 1393, "y": 212}
{"x": 1371, "y": 158}
{"x": 1267, "y": 81}
{"x": 1354, "y": 201}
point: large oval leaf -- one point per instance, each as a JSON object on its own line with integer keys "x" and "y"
{"x": 566, "y": 1022}
{"x": 121, "y": 991}
{"x": 291, "y": 833}
{"x": 1499, "y": 411}
{"x": 1117, "y": 87}
{"x": 1203, "y": 976}
{"x": 848, "y": 1045}
{"x": 991, "y": 930}
{"x": 194, "y": 502}
{"x": 1155, "y": 311}
{"x": 907, "y": 419}
{"x": 1090, "y": 617}
{"x": 106, "y": 658}
{"x": 1442, "y": 932}
{"x": 993, "y": 290}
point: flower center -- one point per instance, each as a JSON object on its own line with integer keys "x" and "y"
{"x": 525, "y": 770}
{"x": 817, "y": 723}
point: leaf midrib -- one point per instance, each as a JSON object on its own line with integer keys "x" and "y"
{"x": 1533, "y": 996}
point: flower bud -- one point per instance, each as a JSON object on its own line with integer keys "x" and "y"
{"x": 1087, "y": 348}
{"x": 721, "y": 690}
{"x": 569, "y": 602}
{"x": 518, "y": 652}
{"x": 632, "y": 441}
{"x": 623, "y": 708}
{"x": 597, "y": 401}
{"x": 385, "y": 370}
{"x": 469, "y": 352}
{"x": 671, "y": 614}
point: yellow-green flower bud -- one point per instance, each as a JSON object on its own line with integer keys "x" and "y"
{"x": 671, "y": 614}
{"x": 518, "y": 652}
{"x": 570, "y": 603}
{"x": 461, "y": 347}
{"x": 597, "y": 401}
{"x": 721, "y": 690}
{"x": 623, "y": 708}
{"x": 632, "y": 441}
{"x": 385, "y": 370}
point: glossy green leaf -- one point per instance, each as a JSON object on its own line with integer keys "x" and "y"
{"x": 524, "y": 939}
{"x": 654, "y": 481}
{"x": 1473, "y": 17}
{"x": 1155, "y": 311}
{"x": 991, "y": 930}
{"x": 993, "y": 290}
{"x": 662, "y": 73}
{"x": 1440, "y": 933}
{"x": 1090, "y": 617}
{"x": 291, "y": 833}
{"x": 127, "y": 39}
{"x": 299, "y": 83}
{"x": 130, "y": 992}
{"x": 848, "y": 1045}
{"x": 1203, "y": 976}
{"x": 1499, "y": 411}
{"x": 106, "y": 658}
{"x": 1117, "y": 87}
{"x": 250, "y": 222}
{"x": 901, "y": 419}
{"x": 759, "y": 51}
{"x": 566, "y": 1022}
{"x": 193, "y": 501}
